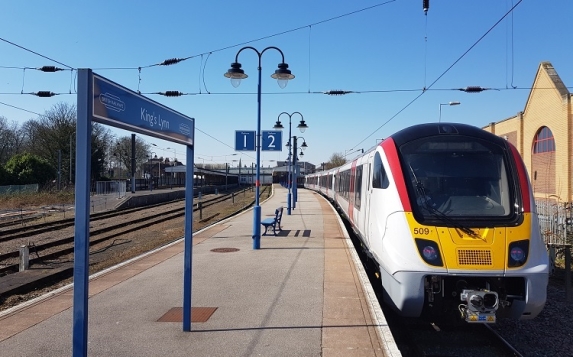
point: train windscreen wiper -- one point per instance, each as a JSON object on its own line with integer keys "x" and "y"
{"x": 425, "y": 200}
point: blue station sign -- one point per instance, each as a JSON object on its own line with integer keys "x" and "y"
{"x": 272, "y": 140}
{"x": 245, "y": 140}
{"x": 120, "y": 107}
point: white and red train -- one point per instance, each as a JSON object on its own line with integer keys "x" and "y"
{"x": 446, "y": 213}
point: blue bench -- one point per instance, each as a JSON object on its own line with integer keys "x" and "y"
{"x": 273, "y": 222}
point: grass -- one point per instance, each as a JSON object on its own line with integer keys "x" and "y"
{"x": 37, "y": 199}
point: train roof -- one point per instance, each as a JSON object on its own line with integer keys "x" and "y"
{"x": 430, "y": 129}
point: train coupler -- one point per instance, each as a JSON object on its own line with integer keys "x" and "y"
{"x": 480, "y": 306}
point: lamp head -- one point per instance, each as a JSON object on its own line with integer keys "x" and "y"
{"x": 302, "y": 126}
{"x": 235, "y": 73}
{"x": 282, "y": 75}
{"x": 303, "y": 146}
{"x": 278, "y": 125}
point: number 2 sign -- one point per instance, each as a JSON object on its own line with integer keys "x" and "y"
{"x": 272, "y": 140}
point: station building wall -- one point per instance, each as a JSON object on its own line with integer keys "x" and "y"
{"x": 543, "y": 135}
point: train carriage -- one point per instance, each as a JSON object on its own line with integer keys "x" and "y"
{"x": 446, "y": 212}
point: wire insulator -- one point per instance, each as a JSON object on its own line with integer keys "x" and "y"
{"x": 49, "y": 69}
{"x": 337, "y": 92}
{"x": 426, "y": 5}
{"x": 44, "y": 94}
{"x": 472, "y": 89}
{"x": 172, "y": 93}
{"x": 170, "y": 61}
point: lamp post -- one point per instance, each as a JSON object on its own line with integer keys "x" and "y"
{"x": 295, "y": 168}
{"x": 227, "y": 171}
{"x": 151, "y": 169}
{"x": 302, "y": 126}
{"x": 174, "y": 163}
{"x": 282, "y": 75}
{"x": 441, "y": 104}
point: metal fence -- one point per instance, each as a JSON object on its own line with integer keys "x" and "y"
{"x": 14, "y": 189}
{"x": 555, "y": 221}
{"x": 111, "y": 187}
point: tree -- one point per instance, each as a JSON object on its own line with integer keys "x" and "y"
{"x": 336, "y": 159}
{"x": 102, "y": 140}
{"x": 121, "y": 151}
{"x": 53, "y": 137}
{"x": 24, "y": 169}
{"x": 10, "y": 140}
{"x": 3, "y": 176}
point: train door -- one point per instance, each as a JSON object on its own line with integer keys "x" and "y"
{"x": 367, "y": 193}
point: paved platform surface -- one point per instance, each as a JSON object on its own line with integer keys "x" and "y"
{"x": 302, "y": 294}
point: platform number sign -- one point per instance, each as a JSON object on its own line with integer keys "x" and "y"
{"x": 245, "y": 140}
{"x": 272, "y": 140}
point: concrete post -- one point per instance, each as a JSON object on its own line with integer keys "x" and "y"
{"x": 24, "y": 258}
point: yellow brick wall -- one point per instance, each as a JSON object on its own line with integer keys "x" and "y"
{"x": 546, "y": 106}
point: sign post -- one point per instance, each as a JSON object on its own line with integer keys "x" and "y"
{"x": 106, "y": 102}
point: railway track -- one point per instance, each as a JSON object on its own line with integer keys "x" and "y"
{"x": 112, "y": 245}
{"x": 8, "y": 234}
{"x": 29, "y": 230}
{"x": 416, "y": 338}
{"x": 55, "y": 248}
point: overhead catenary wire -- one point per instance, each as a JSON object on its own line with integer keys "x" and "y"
{"x": 473, "y": 88}
{"x": 34, "y": 52}
{"x": 467, "y": 89}
{"x": 173, "y": 61}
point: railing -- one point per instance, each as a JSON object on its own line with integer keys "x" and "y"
{"x": 555, "y": 222}
{"x": 13, "y": 189}
{"x": 111, "y": 187}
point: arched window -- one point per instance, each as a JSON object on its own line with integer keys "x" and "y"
{"x": 544, "y": 141}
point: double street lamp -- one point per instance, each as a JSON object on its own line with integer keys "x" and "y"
{"x": 302, "y": 127}
{"x": 282, "y": 75}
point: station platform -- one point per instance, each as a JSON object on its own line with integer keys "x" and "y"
{"x": 303, "y": 293}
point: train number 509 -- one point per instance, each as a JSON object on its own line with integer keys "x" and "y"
{"x": 422, "y": 231}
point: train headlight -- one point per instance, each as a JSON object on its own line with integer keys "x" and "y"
{"x": 429, "y": 252}
{"x": 517, "y": 255}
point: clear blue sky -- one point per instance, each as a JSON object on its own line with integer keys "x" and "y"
{"x": 388, "y": 52}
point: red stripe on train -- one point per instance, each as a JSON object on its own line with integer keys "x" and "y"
{"x": 392, "y": 155}
{"x": 523, "y": 180}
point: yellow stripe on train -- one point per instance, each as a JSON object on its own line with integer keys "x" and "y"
{"x": 486, "y": 249}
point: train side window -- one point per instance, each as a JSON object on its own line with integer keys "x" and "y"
{"x": 358, "y": 187}
{"x": 379, "y": 176}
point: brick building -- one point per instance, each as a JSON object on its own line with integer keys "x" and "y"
{"x": 543, "y": 134}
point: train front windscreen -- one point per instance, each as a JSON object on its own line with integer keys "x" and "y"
{"x": 458, "y": 177}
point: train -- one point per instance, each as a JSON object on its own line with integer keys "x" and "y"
{"x": 445, "y": 213}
